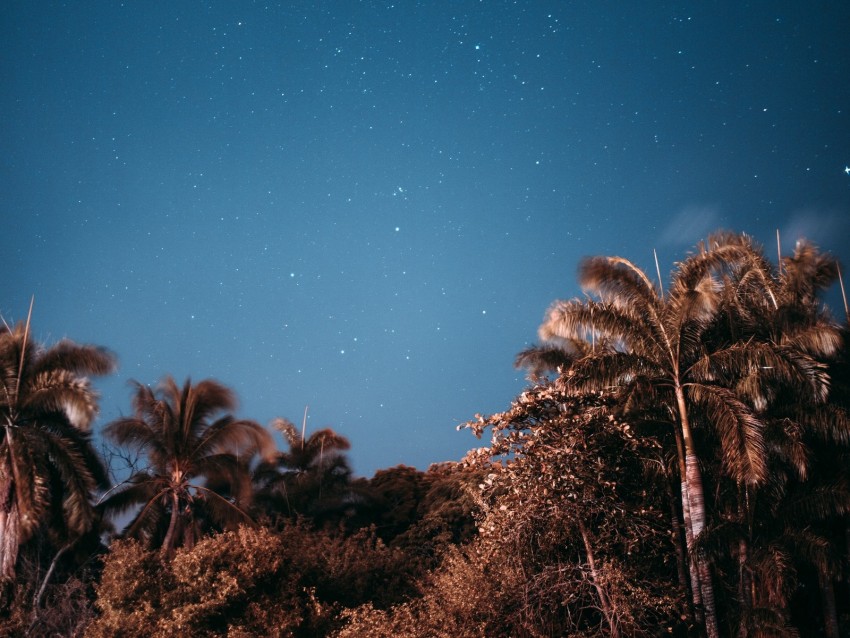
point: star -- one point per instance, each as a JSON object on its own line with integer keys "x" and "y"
{"x": 847, "y": 170}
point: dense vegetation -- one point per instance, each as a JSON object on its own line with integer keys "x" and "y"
{"x": 680, "y": 465}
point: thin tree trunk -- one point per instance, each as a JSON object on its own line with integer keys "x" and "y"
{"x": 604, "y": 601}
{"x": 745, "y": 588}
{"x": 830, "y": 612}
{"x": 847, "y": 550}
{"x": 9, "y": 523}
{"x": 746, "y": 594}
{"x": 168, "y": 542}
{"x": 51, "y": 569}
{"x": 693, "y": 571}
{"x": 693, "y": 495}
{"x": 677, "y": 539}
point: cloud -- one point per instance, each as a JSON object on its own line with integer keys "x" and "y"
{"x": 824, "y": 228}
{"x": 691, "y": 224}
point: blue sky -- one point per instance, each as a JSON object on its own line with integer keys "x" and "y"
{"x": 366, "y": 207}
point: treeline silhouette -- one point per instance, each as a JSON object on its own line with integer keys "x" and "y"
{"x": 679, "y": 465}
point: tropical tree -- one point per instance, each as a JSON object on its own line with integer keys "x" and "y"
{"x": 572, "y": 497}
{"x": 48, "y": 467}
{"x": 802, "y": 432}
{"x": 197, "y": 468}
{"x": 308, "y": 478}
{"x": 670, "y": 350}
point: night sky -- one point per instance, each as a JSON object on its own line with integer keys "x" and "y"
{"x": 366, "y": 207}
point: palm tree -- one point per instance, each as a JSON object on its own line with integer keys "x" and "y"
{"x": 186, "y": 453}
{"x": 48, "y": 467}
{"x": 309, "y": 477}
{"x": 800, "y": 427}
{"x": 667, "y": 350}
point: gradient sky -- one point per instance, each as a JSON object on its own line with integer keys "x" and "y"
{"x": 366, "y": 207}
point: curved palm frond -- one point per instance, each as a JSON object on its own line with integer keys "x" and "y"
{"x": 773, "y": 567}
{"x": 738, "y": 429}
{"x": 583, "y": 320}
{"x": 821, "y": 339}
{"x": 619, "y": 281}
{"x": 241, "y": 436}
{"x": 76, "y": 359}
{"x": 612, "y": 370}
{"x": 541, "y": 360}
{"x": 807, "y": 272}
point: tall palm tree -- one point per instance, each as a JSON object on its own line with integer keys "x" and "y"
{"x": 307, "y": 478}
{"x": 186, "y": 450}
{"x": 48, "y": 467}
{"x": 800, "y": 427}
{"x": 665, "y": 349}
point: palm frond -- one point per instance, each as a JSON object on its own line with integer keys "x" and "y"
{"x": 769, "y": 368}
{"x": 287, "y": 428}
{"x": 768, "y": 622}
{"x": 61, "y": 391}
{"x": 541, "y": 360}
{"x": 773, "y": 568}
{"x": 808, "y": 271}
{"x": 200, "y": 402}
{"x": 139, "y": 489}
{"x": 613, "y": 370}
{"x": 817, "y": 503}
{"x": 583, "y": 320}
{"x": 820, "y": 340}
{"x": 135, "y": 433}
{"x": 739, "y": 432}
{"x": 814, "y": 549}
{"x": 828, "y": 422}
{"x": 73, "y": 485}
{"x": 223, "y": 511}
{"x": 620, "y": 281}
{"x": 144, "y": 400}
{"x": 783, "y": 440}
{"x": 30, "y": 487}
{"x": 76, "y": 359}
{"x": 230, "y": 435}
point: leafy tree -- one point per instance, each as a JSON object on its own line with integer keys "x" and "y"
{"x": 251, "y": 581}
{"x": 575, "y": 506}
{"x": 187, "y": 453}
{"x": 48, "y": 467}
{"x": 310, "y": 478}
{"x": 671, "y": 350}
{"x": 236, "y": 583}
{"x": 781, "y": 307}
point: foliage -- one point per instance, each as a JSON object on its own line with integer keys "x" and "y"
{"x": 172, "y": 427}
{"x": 309, "y": 479}
{"x": 733, "y": 358}
{"x": 48, "y": 467}
{"x": 228, "y": 584}
{"x": 461, "y": 599}
{"x": 251, "y": 581}
{"x": 578, "y": 505}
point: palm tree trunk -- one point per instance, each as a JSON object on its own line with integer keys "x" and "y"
{"x": 693, "y": 571}
{"x": 9, "y": 522}
{"x": 745, "y": 578}
{"x": 168, "y": 542}
{"x": 604, "y": 601}
{"x": 830, "y": 612}
{"x": 693, "y": 497}
{"x": 745, "y": 588}
{"x": 677, "y": 539}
